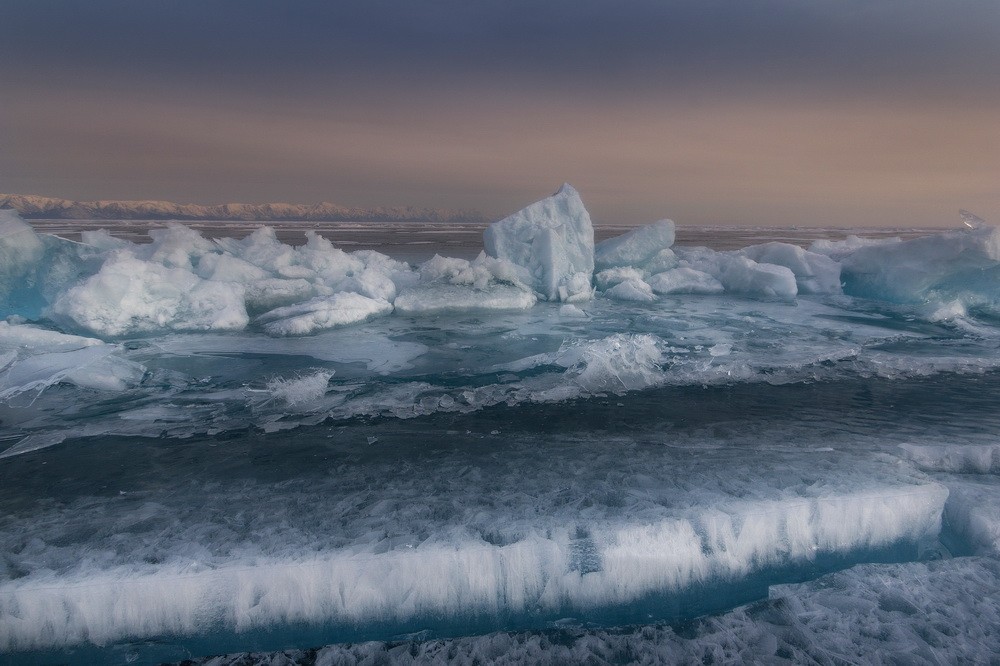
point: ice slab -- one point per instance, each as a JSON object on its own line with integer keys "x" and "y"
{"x": 972, "y": 512}
{"x": 739, "y": 274}
{"x": 636, "y": 248}
{"x": 554, "y": 240}
{"x": 959, "y": 264}
{"x": 685, "y": 281}
{"x": 814, "y": 273}
{"x": 961, "y": 458}
{"x": 20, "y": 252}
{"x": 430, "y": 299}
{"x": 35, "y": 359}
{"x": 633, "y": 290}
{"x": 919, "y": 613}
{"x": 612, "y": 276}
{"x": 540, "y": 570}
{"x": 324, "y": 312}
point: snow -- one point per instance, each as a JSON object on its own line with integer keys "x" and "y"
{"x": 553, "y": 239}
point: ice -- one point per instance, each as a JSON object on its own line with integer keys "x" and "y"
{"x": 612, "y": 276}
{"x": 35, "y": 359}
{"x": 685, "y": 281}
{"x": 739, "y": 274}
{"x": 814, "y": 273}
{"x": 572, "y": 311}
{"x": 972, "y": 512}
{"x": 130, "y": 296}
{"x": 298, "y": 390}
{"x": 837, "y": 250}
{"x": 452, "y": 298}
{"x": 971, "y": 220}
{"x": 463, "y": 456}
{"x": 631, "y": 290}
{"x": 963, "y": 458}
{"x": 324, "y": 312}
{"x": 636, "y": 248}
{"x": 617, "y": 363}
{"x": 554, "y": 240}
{"x": 20, "y": 251}
{"x": 959, "y": 264}
{"x": 918, "y": 613}
{"x": 374, "y": 350}
{"x": 536, "y": 568}
{"x": 37, "y": 340}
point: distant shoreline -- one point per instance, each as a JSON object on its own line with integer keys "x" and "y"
{"x": 32, "y": 207}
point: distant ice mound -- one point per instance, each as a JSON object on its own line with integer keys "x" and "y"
{"x": 554, "y": 240}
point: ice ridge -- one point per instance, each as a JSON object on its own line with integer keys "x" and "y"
{"x": 541, "y": 572}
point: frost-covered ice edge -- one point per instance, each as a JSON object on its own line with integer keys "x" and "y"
{"x": 110, "y": 338}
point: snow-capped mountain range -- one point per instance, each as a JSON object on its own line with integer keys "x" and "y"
{"x": 37, "y": 207}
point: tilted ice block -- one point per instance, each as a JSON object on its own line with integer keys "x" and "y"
{"x": 553, "y": 239}
{"x": 814, "y": 273}
{"x": 130, "y": 295}
{"x": 341, "y": 309}
{"x": 636, "y": 248}
{"x": 962, "y": 264}
{"x": 685, "y": 281}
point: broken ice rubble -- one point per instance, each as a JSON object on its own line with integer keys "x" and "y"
{"x": 181, "y": 281}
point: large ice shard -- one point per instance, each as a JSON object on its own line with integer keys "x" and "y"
{"x": 636, "y": 248}
{"x": 553, "y": 239}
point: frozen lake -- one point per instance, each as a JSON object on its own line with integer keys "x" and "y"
{"x": 470, "y": 471}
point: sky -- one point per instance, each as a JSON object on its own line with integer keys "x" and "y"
{"x": 749, "y": 112}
